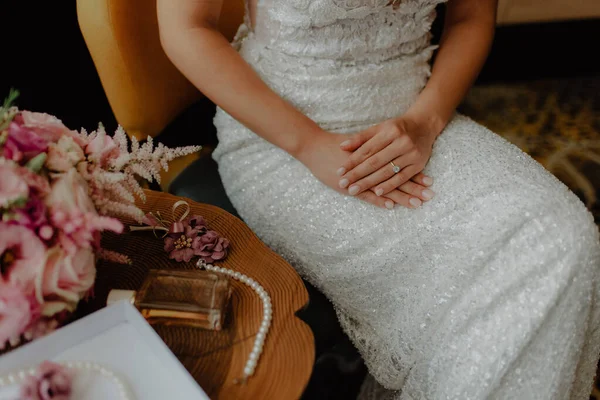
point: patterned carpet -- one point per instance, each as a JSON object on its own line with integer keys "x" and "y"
{"x": 558, "y": 123}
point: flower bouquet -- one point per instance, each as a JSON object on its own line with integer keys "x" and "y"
{"x": 59, "y": 190}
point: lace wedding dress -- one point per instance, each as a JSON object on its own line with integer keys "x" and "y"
{"x": 490, "y": 290}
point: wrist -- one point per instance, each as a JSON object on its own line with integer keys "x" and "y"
{"x": 305, "y": 142}
{"x": 431, "y": 122}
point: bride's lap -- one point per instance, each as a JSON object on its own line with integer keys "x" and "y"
{"x": 497, "y": 223}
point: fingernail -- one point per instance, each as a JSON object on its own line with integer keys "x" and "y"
{"x": 341, "y": 171}
{"x": 379, "y": 192}
{"x": 389, "y": 204}
{"x": 415, "y": 202}
{"x": 353, "y": 190}
{"x": 427, "y": 180}
{"x": 344, "y": 182}
{"x": 427, "y": 193}
{"x": 345, "y": 143}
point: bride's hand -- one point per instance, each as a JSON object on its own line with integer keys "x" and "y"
{"x": 323, "y": 155}
{"x": 402, "y": 142}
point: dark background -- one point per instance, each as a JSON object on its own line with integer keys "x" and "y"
{"x": 45, "y": 58}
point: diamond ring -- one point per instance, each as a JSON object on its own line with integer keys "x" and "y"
{"x": 395, "y": 168}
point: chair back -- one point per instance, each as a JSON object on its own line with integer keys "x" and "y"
{"x": 144, "y": 89}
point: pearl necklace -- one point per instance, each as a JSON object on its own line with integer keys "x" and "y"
{"x": 267, "y": 314}
{"x": 18, "y": 377}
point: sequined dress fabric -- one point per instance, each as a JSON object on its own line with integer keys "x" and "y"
{"x": 488, "y": 291}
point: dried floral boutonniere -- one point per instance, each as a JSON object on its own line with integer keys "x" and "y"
{"x": 187, "y": 237}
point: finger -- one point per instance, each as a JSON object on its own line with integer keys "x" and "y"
{"x": 383, "y": 174}
{"x": 372, "y": 198}
{"x": 404, "y": 199}
{"x": 398, "y": 179}
{"x": 422, "y": 179}
{"x": 374, "y": 145}
{"x": 416, "y": 190}
{"x": 354, "y": 141}
{"x": 378, "y": 161}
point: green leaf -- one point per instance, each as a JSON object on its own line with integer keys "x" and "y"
{"x": 12, "y": 96}
{"x": 37, "y": 162}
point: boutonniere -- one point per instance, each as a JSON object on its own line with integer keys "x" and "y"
{"x": 186, "y": 237}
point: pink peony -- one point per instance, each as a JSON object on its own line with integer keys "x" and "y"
{"x": 12, "y": 185}
{"x": 67, "y": 275}
{"x": 64, "y": 154}
{"x": 70, "y": 191}
{"x": 47, "y": 126}
{"x": 22, "y": 144}
{"x": 15, "y": 312}
{"x": 52, "y": 382}
{"x": 211, "y": 247}
{"x": 22, "y": 256}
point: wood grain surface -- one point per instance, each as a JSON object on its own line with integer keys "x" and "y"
{"x": 216, "y": 359}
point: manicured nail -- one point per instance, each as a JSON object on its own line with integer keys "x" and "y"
{"x": 379, "y": 192}
{"x": 344, "y": 182}
{"x": 389, "y": 204}
{"x": 345, "y": 143}
{"x": 428, "y": 181}
{"x": 415, "y": 202}
{"x": 353, "y": 190}
{"x": 341, "y": 171}
{"x": 427, "y": 194}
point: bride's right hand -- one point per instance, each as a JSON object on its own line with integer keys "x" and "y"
{"x": 322, "y": 156}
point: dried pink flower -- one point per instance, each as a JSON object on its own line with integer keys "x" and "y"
{"x": 32, "y": 215}
{"x": 64, "y": 154}
{"x": 211, "y": 247}
{"x": 22, "y": 144}
{"x": 70, "y": 191}
{"x": 15, "y": 312}
{"x": 47, "y": 126}
{"x": 178, "y": 242}
{"x": 22, "y": 256}
{"x": 51, "y": 382}
{"x": 12, "y": 185}
{"x": 102, "y": 148}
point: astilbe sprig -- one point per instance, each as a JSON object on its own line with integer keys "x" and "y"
{"x": 115, "y": 164}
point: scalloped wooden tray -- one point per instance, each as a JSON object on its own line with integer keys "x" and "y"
{"x": 216, "y": 359}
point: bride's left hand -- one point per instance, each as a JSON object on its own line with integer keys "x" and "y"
{"x": 402, "y": 141}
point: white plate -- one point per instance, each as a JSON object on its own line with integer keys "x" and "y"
{"x": 119, "y": 338}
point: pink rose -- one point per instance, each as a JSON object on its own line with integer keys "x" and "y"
{"x": 51, "y": 382}
{"x": 46, "y": 126}
{"x": 22, "y": 144}
{"x": 68, "y": 275}
{"x": 70, "y": 191}
{"x": 101, "y": 148}
{"x": 64, "y": 154}
{"x": 15, "y": 312}
{"x": 23, "y": 255}
{"x": 12, "y": 185}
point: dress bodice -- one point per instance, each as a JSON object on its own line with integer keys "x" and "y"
{"x": 352, "y": 31}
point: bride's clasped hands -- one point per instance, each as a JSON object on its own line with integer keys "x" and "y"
{"x": 382, "y": 164}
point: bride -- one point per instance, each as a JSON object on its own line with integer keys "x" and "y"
{"x": 459, "y": 267}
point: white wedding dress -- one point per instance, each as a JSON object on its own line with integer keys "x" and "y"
{"x": 490, "y": 290}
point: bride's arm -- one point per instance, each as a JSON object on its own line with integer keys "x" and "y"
{"x": 407, "y": 140}
{"x": 191, "y": 40}
{"x": 464, "y": 46}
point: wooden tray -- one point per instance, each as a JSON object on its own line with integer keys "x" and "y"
{"x": 216, "y": 359}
